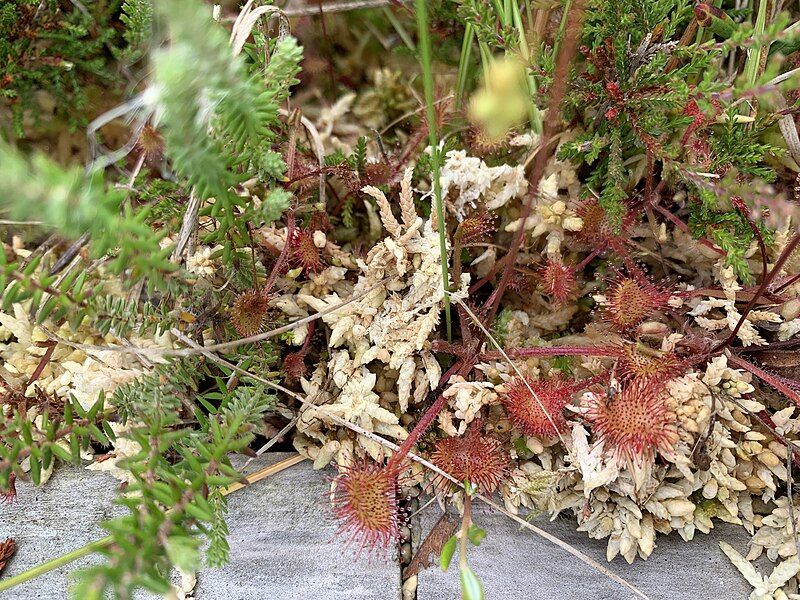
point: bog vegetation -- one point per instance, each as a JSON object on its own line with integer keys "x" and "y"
{"x": 538, "y": 251}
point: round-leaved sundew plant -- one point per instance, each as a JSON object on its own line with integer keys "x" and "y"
{"x": 541, "y": 415}
{"x": 557, "y": 281}
{"x": 598, "y": 231}
{"x": 635, "y": 423}
{"x": 364, "y": 502}
{"x": 637, "y": 361}
{"x": 630, "y": 300}
{"x": 476, "y": 227}
{"x": 473, "y": 457}
{"x": 305, "y": 253}
{"x": 249, "y": 312}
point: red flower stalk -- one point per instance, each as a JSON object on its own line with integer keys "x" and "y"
{"x": 782, "y": 384}
{"x": 636, "y": 423}
{"x": 598, "y": 350}
{"x": 305, "y": 254}
{"x": 631, "y": 300}
{"x": 365, "y": 503}
{"x": 395, "y": 463}
{"x": 249, "y": 312}
{"x": 545, "y": 417}
{"x": 474, "y": 457}
{"x": 557, "y": 281}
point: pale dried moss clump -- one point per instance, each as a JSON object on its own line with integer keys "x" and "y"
{"x": 381, "y": 337}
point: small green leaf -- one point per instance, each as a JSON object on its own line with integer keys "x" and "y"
{"x": 202, "y": 514}
{"x": 476, "y": 534}
{"x": 447, "y": 553}
{"x": 61, "y": 453}
{"x": 36, "y": 470}
{"x": 183, "y": 553}
{"x": 471, "y": 586}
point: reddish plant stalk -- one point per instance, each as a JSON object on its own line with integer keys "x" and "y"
{"x": 560, "y": 77}
{"x": 766, "y": 420}
{"x": 284, "y": 255}
{"x": 739, "y": 205}
{"x": 685, "y": 228}
{"x": 393, "y": 464}
{"x": 609, "y": 351}
{"x": 51, "y": 346}
{"x": 592, "y": 255}
{"x": 772, "y": 379}
{"x": 492, "y": 272}
{"x": 767, "y": 279}
{"x": 786, "y": 284}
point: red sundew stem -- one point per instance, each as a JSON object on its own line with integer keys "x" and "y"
{"x": 309, "y": 334}
{"x": 284, "y": 255}
{"x": 766, "y": 421}
{"x": 568, "y": 49}
{"x": 740, "y": 206}
{"x": 48, "y": 354}
{"x": 765, "y": 282}
{"x": 744, "y": 295}
{"x": 772, "y": 379}
{"x": 393, "y": 464}
{"x": 786, "y": 284}
{"x": 492, "y": 272}
{"x": 594, "y": 254}
{"x": 552, "y": 351}
{"x": 685, "y": 228}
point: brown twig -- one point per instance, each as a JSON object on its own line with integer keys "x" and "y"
{"x": 51, "y": 346}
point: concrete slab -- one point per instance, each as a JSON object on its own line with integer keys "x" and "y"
{"x": 282, "y": 546}
{"x": 519, "y": 565}
{"x": 281, "y": 538}
{"x": 52, "y": 520}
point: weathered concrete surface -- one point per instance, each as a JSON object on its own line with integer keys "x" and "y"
{"x": 281, "y": 538}
{"x": 519, "y": 565}
{"x": 282, "y": 546}
{"x": 49, "y": 521}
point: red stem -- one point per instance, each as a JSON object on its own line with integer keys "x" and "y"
{"x": 594, "y": 254}
{"x": 685, "y": 228}
{"x": 767, "y": 422}
{"x": 284, "y": 255}
{"x": 786, "y": 284}
{"x": 770, "y": 378}
{"x": 560, "y": 77}
{"x": 552, "y": 351}
{"x": 393, "y": 465}
{"x": 739, "y": 205}
{"x": 784, "y": 256}
{"x": 48, "y": 354}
